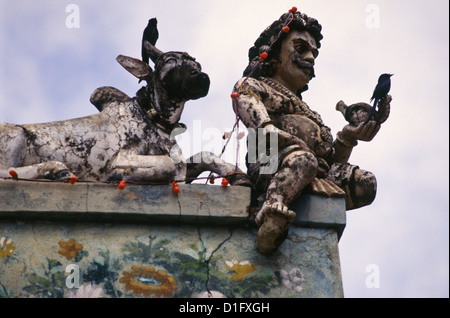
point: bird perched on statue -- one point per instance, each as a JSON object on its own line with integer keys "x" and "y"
{"x": 151, "y": 35}
{"x": 380, "y": 91}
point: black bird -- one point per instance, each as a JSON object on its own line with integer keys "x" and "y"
{"x": 380, "y": 91}
{"x": 151, "y": 34}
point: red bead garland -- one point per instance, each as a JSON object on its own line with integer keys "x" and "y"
{"x": 13, "y": 174}
{"x": 263, "y": 56}
{"x": 175, "y": 187}
{"x": 73, "y": 179}
{"x": 121, "y": 185}
{"x": 224, "y": 182}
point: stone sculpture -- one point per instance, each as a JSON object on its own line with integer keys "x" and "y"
{"x": 129, "y": 139}
{"x": 268, "y": 98}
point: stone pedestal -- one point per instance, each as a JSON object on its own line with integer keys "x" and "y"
{"x": 90, "y": 239}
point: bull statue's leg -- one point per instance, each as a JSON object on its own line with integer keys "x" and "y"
{"x": 131, "y": 167}
{"x": 53, "y": 170}
{"x": 13, "y": 149}
{"x": 207, "y": 161}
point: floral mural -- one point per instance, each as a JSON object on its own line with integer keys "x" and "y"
{"x": 143, "y": 269}
{"x": 153, "y": 265}
{"x": 240, "y": 269}
{"x": 48, "y": 281}
{"x": 69, "y": 249}
{"x": 86, "y": 291}
{"x": 6, "y": 247}
{"x": 148, "y": 281}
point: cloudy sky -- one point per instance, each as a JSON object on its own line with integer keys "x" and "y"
{"x": 50, "y": 64}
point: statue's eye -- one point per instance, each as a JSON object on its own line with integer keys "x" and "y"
{"x": 304, "y": 47}
{"x": 301, "y": 48}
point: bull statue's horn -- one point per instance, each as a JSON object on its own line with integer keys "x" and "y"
{"x": 152, "y": 51}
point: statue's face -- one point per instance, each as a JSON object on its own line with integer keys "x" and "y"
{"x": 296, "y": 61}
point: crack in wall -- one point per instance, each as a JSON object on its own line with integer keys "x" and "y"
{"x": 208, "y": 260}
{"x": 179, "y": 208}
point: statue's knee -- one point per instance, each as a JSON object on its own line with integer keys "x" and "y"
{"x": 302, "y": 161}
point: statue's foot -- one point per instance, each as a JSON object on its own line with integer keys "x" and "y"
{"x": 271, "y": 234}
{"x": 269, "y": 209}
{"x": 275, "y": 219}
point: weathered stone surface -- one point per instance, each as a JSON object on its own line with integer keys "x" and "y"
{"x": 144, "y": 241}
{"x": 316, "y": 211}
{"x": 83, "y": 200}
{"x": 304, "y": 157}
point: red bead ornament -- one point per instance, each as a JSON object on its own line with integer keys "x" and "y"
{"x": 286, "y": 29}
{"x": 234, "y": 95}
{"x": 263, "y": 56}
{"x": 211, "y": 180}
{"x": 293, "y": 10}
{"x": 226, "y": 135}
{"x": 13, "y": 174}
{"x": 121, "y": 185}
{"x": 73, "y": 179}
{"x": 224, "y": 182}
{"x": 175, "y": 187}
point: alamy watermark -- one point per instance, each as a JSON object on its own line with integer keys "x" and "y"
{"x": 73, "y": 16}
{"x": 262, "y": 146}
{"x": 373, "y": 16}
{"x": 373, "y": 279}
{"x": 73, "y": 279}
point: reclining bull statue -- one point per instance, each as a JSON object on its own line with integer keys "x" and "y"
{"x": 130, "y": 139}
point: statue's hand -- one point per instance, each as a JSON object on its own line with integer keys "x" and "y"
{"x": 359, "y": 112}
{"x": 364, "y": 132}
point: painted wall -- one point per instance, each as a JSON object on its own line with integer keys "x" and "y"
{"x": 206, "y": 246}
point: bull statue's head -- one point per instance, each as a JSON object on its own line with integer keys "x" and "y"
{"x": 176, "y": 78}
{"x": 181, "y": 76}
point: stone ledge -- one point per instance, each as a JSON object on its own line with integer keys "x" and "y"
{"x": 89, "y": 201}
{"x": 320, "y": 212}
{"x": 195, "y": 203}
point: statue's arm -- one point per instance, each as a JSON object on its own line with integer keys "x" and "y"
{"x": 248, "y": 104}
{"x": 253, "y": 113}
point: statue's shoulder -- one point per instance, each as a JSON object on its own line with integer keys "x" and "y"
{"x": 254, "y": 84}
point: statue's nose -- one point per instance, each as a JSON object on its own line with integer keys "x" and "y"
{"x": 308, "y": 56}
